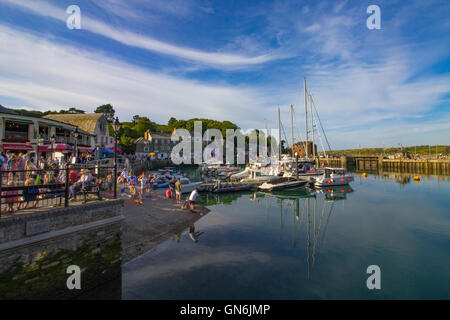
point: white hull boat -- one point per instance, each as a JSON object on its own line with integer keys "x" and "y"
{"x": 281, "y": 184}
{"x": 187, "y": 186}
{"x": 334, "y": 177}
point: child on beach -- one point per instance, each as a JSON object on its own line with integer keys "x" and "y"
{"x": 131, "y": 180}
{"x": 143, "y": 180}
{"x": 136, "y": 196}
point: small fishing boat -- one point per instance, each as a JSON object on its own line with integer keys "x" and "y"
{"x": 281, "y": 184}
{"x": 188, "y": 186}
{"x": 257, "y": 176}
{"x": 333, "y": 177}
{"x": 161, "y": 182}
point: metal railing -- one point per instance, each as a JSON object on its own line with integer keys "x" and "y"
{"x": 53, "y": 187}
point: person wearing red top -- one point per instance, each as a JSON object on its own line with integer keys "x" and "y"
{"x": 73, "y": 175}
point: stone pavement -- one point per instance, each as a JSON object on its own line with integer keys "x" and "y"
{"x": 157, "y": 220}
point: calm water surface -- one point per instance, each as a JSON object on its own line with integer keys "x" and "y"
{"x": 308, "y": 245}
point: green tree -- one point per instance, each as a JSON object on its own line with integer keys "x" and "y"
{"x": 143, "y": 125}
{"x": 108, "y": 110}
{"x": 136, "y": 119}
{"x": 74, "y": 110}
{"x": 171, "y": 122}
{"x": 127, "y": 144}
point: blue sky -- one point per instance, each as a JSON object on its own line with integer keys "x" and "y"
{"x": 238, "y": 61}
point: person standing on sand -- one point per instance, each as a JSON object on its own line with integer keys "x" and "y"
{"x": 143, "y": 180}
{"x": 178, "y": 190}
{"x": 172, "y": 188}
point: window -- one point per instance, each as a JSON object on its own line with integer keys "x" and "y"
{"x": 102, "y": 127}
{"x": 145, "y": 149}
{"x": 15, "y": 130}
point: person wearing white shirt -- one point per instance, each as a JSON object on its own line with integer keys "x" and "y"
{"x": 192, "y": 197}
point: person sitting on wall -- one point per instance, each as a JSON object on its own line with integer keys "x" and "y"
{"x": 82, "y": 183}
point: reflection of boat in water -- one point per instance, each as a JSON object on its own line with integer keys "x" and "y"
{"x": 308, "y": 215}
{"x": 335, "y": 193}
{"x": 281, "y": 184}
{"x": 289, "y": 194}
{"x": 229, "y": 187}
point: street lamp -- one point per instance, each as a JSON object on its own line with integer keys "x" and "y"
{"x": 76, "y": 133}
{"x": 116, "y": 129}
{"x": 40, "y": 141}
{"x": 52, "y": 140}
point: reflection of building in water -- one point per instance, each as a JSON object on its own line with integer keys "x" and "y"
{"x": 309, "y": 214}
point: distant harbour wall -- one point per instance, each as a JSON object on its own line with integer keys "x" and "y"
{"x": 37, "y": 248}
{"x": 140, "y": 166}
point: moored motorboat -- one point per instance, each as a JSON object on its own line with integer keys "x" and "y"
{"x": 188, "y": 186}
{"x": 333, "y": 177}
{"x": 282, "y": 183}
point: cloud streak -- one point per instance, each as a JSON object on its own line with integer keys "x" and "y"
{"x": 66, "y": 75}
{"x": 215, "y": 59}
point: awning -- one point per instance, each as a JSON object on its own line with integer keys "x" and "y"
{"x": 44, "y": 149}
{"x": 62, "y": 147}
{"x": 106, "y": 151}
{"x": 118, "y": 149}
{"x": 18, "y": 147}
{"x": 83, "y": 150}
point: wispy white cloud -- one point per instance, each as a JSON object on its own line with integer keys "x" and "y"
{"x": 129, "y": 38}
{"x": 46, "y": 75}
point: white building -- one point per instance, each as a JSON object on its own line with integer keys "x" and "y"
{"x": 94, "y": 123}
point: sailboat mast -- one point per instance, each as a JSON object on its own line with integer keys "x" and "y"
{"x": 279, "y": 135}
{"x": 292, "y": 129}
{"x": 312, "y": 127}
{"x": 306, "y": 118}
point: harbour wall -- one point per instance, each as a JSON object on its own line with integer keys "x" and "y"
{"x": 37, "y": 248}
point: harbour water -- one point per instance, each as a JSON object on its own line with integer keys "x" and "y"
{"x": 308, "y": 245}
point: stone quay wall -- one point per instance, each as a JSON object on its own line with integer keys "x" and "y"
{"x": 37, "y": 248}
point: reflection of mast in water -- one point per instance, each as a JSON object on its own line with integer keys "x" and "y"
{"x": 315, "y": 233}
{"x": 281, "y": 219}
{"x": 308, "y": 243}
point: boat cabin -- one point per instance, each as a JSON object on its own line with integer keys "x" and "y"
{"x": 330, "y": 172}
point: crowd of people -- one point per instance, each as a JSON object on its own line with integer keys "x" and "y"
{"x": 46, "y": 177}
{"x": 139, "y": 188}
{"x": 42, "y": 179}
